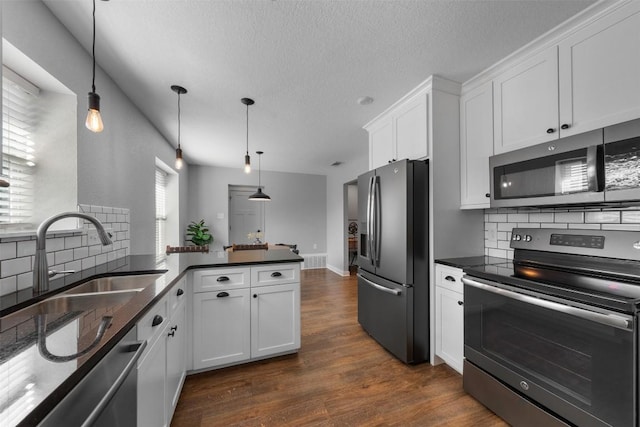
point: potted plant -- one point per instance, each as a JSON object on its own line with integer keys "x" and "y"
{"x": 199, "y": 233}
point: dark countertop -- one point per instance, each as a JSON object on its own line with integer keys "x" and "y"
{"x": 45, "y": 382}
{"x": 471, "y": 261}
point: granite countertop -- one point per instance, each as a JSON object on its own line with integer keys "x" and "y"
{"x": 472, "y": 261}
{"x": 44, "y": 383}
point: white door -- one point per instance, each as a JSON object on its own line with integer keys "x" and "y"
{"x": 450, "y": 329}
{"x": 600, "y": 72}
{"x": 176, "y": 337}
{"x": 525, "y": 100}
{"x": 151, "y": 383}
{"x": 245, "y": 216}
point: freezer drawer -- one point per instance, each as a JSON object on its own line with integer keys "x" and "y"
{"x": 385, "y": 311}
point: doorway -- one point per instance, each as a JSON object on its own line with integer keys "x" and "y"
{"x": 351, "y": 225}
{"x": 246, "y": 217}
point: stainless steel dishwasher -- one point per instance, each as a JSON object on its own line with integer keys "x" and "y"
{"x": 107, "y": 395}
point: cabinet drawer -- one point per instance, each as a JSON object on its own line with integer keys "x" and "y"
{"x": 449, "y": 278}
{"x": 149, "y": 327}
{"x": 273, "y": 274}
{"x": 220, "y": 279}
{"x": 176, "y": 295}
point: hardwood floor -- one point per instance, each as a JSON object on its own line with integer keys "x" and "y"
{"x": 340, "y": 377}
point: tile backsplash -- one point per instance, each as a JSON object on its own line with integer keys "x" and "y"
{"x": 498, "y": 223}
{"x": 66, "y": 250}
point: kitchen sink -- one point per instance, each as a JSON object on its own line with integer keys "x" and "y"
{"x": 115, "y": 284}
{"x": 79, "y": 302}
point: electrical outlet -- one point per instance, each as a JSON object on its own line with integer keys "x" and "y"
{"x": 92, "y": 237}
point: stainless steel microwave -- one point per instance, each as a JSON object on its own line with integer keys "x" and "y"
{"x": 599, "y": 166}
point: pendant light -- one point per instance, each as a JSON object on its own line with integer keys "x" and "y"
{"x": 247, "y": 159}
{"x": 94, "y": 120}
{"x": 259, "y": 196}
{"x": 180, "y": 91}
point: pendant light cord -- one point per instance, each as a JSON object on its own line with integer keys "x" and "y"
{"x": 247, "y": 129}
{"x": 93, "y": 49}
{"x": 178, "y": 119}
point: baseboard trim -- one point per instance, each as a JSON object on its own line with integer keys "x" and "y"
{"x": 337, "y": 270}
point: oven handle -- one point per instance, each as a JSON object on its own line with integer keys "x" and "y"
{"x": 615, "y": 320}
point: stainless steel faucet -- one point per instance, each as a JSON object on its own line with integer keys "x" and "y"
{"x": 40, "y": 265}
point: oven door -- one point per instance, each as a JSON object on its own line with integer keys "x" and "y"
{"x": 566, "y": 171}
{"x": 573, "y": 361}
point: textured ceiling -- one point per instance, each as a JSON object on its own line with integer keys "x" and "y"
{"x": 305, "y": 62}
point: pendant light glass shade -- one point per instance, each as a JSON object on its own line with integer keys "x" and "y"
{"x": 247, "y": 158}
{"x": 259, "y": 196}
{"x": 180, "y": 91}
{"x": 94, "y": 120}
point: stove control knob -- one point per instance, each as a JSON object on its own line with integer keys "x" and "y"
{"x": 527, "y": 238}
{"x": 517, "y": 237}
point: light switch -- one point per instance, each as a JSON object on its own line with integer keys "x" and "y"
{"x": 220, "y": 215}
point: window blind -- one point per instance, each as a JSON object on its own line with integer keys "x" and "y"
{"x": 19, "y": 120}
{"x": 161, "y": 214}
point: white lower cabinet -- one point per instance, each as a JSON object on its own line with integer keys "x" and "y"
{"x": 162, "y": 367}
{"x": 450, "y": 316}
{"x": 221, "y": 326}
{"x": 275, "y": 319}
{"x": 233, "y": 325}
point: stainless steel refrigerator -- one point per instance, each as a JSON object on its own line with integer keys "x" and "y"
{"x": 393, "y": 258}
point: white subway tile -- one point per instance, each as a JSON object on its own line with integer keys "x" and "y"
{"x": 554, "y": 225}
{"x": 506, "y": 226}
{"x": 518, "y": 217}
{"x": 101, "y": 217}
{"x": 121, "y": 218}
{"x": 25, "y": 281}
{"x": 72, "y": 242}
{"x": 490, "y": 243}
{"x": 529, "y": 225}
{"x": 498, "y": 218}
{"x": 500, "y": 253}
{"x": 112, "y": 218}
{"x": 73, "y": 265}
{"x": 503, "y": 244}
{"x": 8, "y": 285}
{"x": 80, "y": 253}
{"x": 111, "y": 256}
{"x": 55, "y": 244}
{"x": 84, "y": 208}
{"x": 569, "y": 217}
{"x": 631, "y": 217}
{"x": 101, "y": 259}
{"x": 15, "y": 266}
{"x": 602, "y": 217}
{"x": 117, "y": 210}
{"x": 510, "y": 254}
{"x": 7, "y": 250}
{"x": 96, "y": 209}
{"x": 121, "y": 253}
{"x": 62, "y": 257}
{"x": 125, "y": 211}
{"x": 585, "y": 226}
{"x": 89, "y": 262}
{"x": 623, "y": 227}
{"x": 107, "y": 209}
{"x": 27, "y": 248}
{"x": 541, "y": 217}
{"x": 95, "y": 250}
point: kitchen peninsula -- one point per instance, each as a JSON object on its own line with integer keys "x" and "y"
{"x": 264, "y": 272}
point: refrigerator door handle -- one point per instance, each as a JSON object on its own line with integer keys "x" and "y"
{"x": 376, "y": 219}
{"x": 369, "y": 220}
{"x": 379, "y": 287}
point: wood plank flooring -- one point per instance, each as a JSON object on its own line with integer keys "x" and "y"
{"x": 340, "y": 377}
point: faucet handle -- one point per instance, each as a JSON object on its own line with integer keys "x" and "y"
{"x": 55, "y": 272}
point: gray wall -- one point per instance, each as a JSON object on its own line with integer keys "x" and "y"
{"x": 296, "y": 214}
{"x": 337, "y": 210}
{"x": 115, "y": 167}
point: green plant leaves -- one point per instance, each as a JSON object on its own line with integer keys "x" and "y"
{"x": 199, "y": 233}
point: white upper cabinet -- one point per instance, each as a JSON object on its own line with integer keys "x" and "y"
{"x": 410, "y": 122}
{"x": 526, "y": 103}
{"x": 401, "y": 133}
{"x": 600, "y": 72}
{"x": 476, "y": 146}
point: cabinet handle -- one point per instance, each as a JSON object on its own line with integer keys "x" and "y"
{"x": 450, "y": 278}
{"x": 255, "y": 295}
{"x": 487, "y": 195}
{"x": 222, "y": 279}
{"x": 565, "y": 126}
{"x": 172, "y": 333}
{"x": 174, "y": 328}
{"x": 276, "y": 274}
{"x": 460, "y": 303}
{"x": 222, "y": 294}
{"x": 551, "y": 130}
{"x": 180, "y": 292}
{"x": 157, "y": 319}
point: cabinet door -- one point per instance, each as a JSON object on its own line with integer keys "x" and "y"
{"x": 476, "y": 146}
{"x": 450, "y": 327}
{"x": 151, "y": 386}
{"x": 600, "y": 72}
{"x": 525, "y": 100}
{"x": 275, "y": 319}
{"x": 411, "y": 129}
{"x": 221, "y": 327}
{"x": 381, "y": 143}
{"x": 176, "y": 338}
